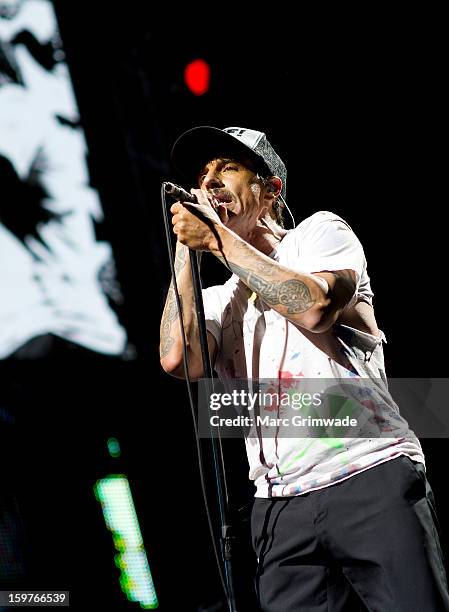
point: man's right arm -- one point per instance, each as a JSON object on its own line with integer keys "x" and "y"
{"x": 171, "y": 354}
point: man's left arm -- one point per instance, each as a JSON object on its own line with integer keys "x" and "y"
{"x": 311, "y": 300}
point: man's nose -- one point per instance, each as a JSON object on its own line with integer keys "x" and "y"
{"x": 212, "y": 180}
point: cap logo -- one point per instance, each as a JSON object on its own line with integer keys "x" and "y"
{"x": 237, "y": 131}
{"x": 250, "y": 138}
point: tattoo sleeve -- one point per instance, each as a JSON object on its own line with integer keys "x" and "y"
{"x": 171, "y": 313}
{"x": 293, "y": 294}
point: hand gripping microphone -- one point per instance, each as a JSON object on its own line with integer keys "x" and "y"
{"x": 180, "y": 194}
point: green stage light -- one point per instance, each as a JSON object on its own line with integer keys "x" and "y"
{"x": 114, "y": 447}
{"x": 114, "y": 495}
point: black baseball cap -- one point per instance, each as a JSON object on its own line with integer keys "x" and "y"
{"x": 197, "y": 146}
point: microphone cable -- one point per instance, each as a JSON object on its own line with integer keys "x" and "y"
{"x": 190, "y": 395}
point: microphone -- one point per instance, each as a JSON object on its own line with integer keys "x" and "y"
{"x": 180, "y": 194}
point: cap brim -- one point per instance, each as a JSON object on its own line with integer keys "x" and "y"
{"x": 199, "y": 145}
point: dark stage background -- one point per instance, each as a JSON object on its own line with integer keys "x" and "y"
{"x": 356, "y": 117}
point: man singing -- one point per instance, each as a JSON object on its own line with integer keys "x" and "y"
{"x": 337, "y": 524}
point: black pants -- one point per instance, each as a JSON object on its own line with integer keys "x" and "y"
{"x": 370, "y": 542}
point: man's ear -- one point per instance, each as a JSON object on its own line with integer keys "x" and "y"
{"x": 274, "y": 186}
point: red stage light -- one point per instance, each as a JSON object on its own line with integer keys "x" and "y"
{"x": 197, "y": 77}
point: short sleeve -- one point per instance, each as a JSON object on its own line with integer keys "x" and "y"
{"x": 325, "y": 242}
{"x": 330, "y": 244}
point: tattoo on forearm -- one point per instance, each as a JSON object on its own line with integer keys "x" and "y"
{"x": 293, "y": 294}
{"x": 181, "y": 257}
{"x": 170, "y": 314}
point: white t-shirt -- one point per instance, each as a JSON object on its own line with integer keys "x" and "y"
{"x": 255, "y": 342}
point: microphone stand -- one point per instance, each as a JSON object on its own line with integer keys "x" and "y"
{"x": 226, "y": 531}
